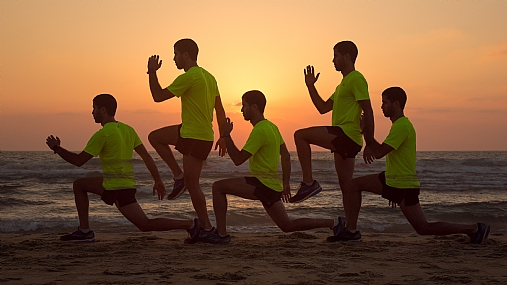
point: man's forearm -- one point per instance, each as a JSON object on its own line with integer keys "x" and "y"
{"x": 155, "y": 87}
{"x": 316, "y": 99}
{"x": 68, "y": 156}
{"x": 369, "y": 128}
{"x": 152, "y": 168}
{"x": 232, "y": 150}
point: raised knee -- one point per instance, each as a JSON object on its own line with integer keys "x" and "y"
{"x": 152, "y": 138}
{"x": 298, "y": 134}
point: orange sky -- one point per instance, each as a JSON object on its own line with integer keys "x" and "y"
{"x": 449, "y": 56}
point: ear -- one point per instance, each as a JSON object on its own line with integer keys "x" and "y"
{"x": 254, "y": 107}
{"x": 103, "y": 110}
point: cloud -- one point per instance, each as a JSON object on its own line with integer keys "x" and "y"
{"x": 237, "y": 104}
{"x": 497, "y": 51}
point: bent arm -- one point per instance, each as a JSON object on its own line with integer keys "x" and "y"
{"x": 380, "y": 150}
{"x": 158, "y": 94}
{"x": 148, "y": 161}
{"x": 73, "y": 158}
{"x": 321, "y": 105}
{"x": 237, "y": 156}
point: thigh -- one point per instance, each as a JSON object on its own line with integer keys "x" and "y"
{"x": 134, "y": 213}
{"x": 370, "y": 183}
{"x": 237, "y": 187}
{"x": 90, "y": 184}
{"x": 319, "y": 136}
{"x": 344, "y": 167}
{"x": 166, "y": 135}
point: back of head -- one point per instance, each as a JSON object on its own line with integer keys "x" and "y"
{"x": 107, "y": 101}
{"x": 189, "y": 46}
{"x": 347, "y": 47}
{"x": 255, "y": 97}
{"x": 396, "y": 94}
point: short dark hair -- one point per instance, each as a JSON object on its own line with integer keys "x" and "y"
{"x": 255, "y": 97}
{"x": 189, "y": 46}
{"x": 349, "y": 47}
{"x": 396, "y": 94}
{"x": 107, "y": 101}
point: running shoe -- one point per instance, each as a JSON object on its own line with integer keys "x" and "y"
{"x": 340, "y": 227}
{"x": 305, "y": 192}
{"x": 178, "y": 189}
{"x": 346, "y": 235}
{"x": 215, "y": 238}
{"x": 482, "y": 233}
{"x": 79, "y": 236}
{"x": 193, "y": 233}
{"x": 201, "y": 237}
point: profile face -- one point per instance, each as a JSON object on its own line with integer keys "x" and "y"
{"x": 178, "y": 59}
{"x": 338, "y": 61}
{"x": 96, "y": 113}
{"x": 387, "y": 107}
{"x": 246, "y": 110}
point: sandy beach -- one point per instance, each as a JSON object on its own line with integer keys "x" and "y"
{"x": 274, "y": 258}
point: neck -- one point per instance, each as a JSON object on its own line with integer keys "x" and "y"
{"x": 347, "y": 70}
{"x": 257, "y": 119}
{"x": 190, "y": 65}
{"x": 107, "y": 120}
{"x": 396, "y": 116}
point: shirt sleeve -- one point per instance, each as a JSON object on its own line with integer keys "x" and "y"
{"x": 359, "y": 88}
{"x": 397, "y": 135}
{"x": 137, "y": 140}
{"x": 96, "y": 143}
{"x": 255, "y": 141}
{"x": 181, "y": 84}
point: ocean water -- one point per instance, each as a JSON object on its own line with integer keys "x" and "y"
{"x": 463, "y": 187}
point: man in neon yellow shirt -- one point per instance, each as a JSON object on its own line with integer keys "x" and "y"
{"x": 263, "y": 150}
{"x": 344, "y": 137}
{"x": 114, "y": 144}
{"x": 194, "y": 136}
{"x": 399, "y": 183}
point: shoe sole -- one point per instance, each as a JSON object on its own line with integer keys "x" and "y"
{"x": 177, "y": 195}
{"x": 80, "y": 240}
{"x": 337, "y": 238}
{"x": 485, "y": 236}
{"x": 317, "y": 191}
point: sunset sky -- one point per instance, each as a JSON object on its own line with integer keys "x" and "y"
{"x": 449, "y": 56}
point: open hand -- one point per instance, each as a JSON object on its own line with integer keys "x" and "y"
{"x": 154, "y": 63}
{"x": 222, "y": 147}
{"x": 51, "y": 141}
{"x": 310, "y": 77}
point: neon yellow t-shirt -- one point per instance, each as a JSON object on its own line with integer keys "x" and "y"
{"x": 264, "y": 144}
{"x": 114, "y": 144}
{"x": 400, "y": 162}
{"x": 197, "y": 89}
{"x": 346, "y": 110}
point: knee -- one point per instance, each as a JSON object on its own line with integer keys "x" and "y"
{"x": 77, "y": 185}
{"x": 299, "y": 135}
{"x": 143, "y": 228}
{"x": 422, "y": 230}
{"x": 152, "y": 138}
{"x": 348, "y": 186}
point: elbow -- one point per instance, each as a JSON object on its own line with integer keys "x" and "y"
{"x": 237, "y": 163}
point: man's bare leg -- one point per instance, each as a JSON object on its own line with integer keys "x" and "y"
{"x": 160, "y": 140}
{"x": 352, "y": 196}
{"x": 81, "y": 189}
{"x": 344, "y": 169}
{"x": 135, "y": 214}
{"x": 416, "y": 218}
{"x": 234, "y": 186}
{"x": 192, "y": 170}
{"x": 239, "y": 187}
{"x": 304, "y": 138}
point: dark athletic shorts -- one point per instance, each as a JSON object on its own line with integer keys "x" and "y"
{"x": 397, "y": 195}
{"x": 266, "y": 195}
{"x": 344, "y": 145}
{"x": 197, "y": 148}
{"x": 124, "y": 197}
